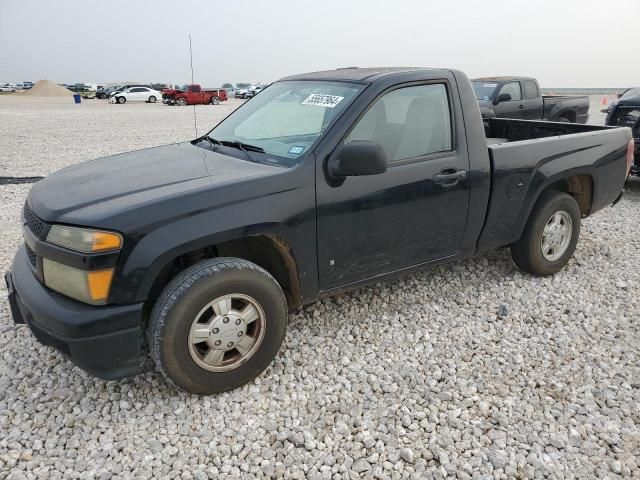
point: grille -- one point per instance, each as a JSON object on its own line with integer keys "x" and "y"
{"x": 31, "y": 255}
{"x": 37, "y": 226}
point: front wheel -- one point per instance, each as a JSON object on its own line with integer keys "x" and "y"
{"x": 182, "y": 102}
{"x": 215, "y": 101}
{"x": 217, "y": 325}
{"x": 121, "y": 100}
{"x": 550, "y": 236}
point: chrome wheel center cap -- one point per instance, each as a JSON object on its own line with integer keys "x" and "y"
{"x": 226, "y": 331}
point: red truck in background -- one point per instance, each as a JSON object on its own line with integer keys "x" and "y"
{"x": 193, "y": 94}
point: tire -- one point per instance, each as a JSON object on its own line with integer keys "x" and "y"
{"x": 552, "y": 208}
{"x": 184, "y": 303}
{"x": 121, "y": 100}
{"x": 215, "y": 101}
{"x": 152, "y": 99}
{"x": 563, "y": 120}
{"x": 181, "y": 101}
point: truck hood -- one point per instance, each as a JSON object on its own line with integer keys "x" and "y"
{"x": 171, "y": 91}
{"x": 94, "y": 191}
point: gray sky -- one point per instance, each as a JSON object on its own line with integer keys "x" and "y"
{"x": 564, "y": 43}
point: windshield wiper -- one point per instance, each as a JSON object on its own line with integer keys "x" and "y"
{"x": 212, "y": 141}
{"x": 242, "y": 146}
{"x": 245, "y": 147}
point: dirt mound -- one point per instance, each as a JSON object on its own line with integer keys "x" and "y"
{"x": 47, "y": 88}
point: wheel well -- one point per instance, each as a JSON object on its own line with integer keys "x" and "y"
{"x": 580, "y": 187}
{"x": 267, "y": 251}
{"x": 569, "y": 115}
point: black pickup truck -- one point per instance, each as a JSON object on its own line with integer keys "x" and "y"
{"x": 626, "y": 113}
{"x": 192, "y": 253}
{"x": 519, "y": 97}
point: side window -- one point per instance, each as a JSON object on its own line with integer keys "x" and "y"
{"x": 408, "y": 122}
{"x": 530, "y": 90}
{"x": 195, "y": 88}
{"x": 136, "y": 90}
{"x": 513, "y": 89}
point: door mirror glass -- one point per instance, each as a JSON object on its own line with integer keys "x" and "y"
{"x": 359, "y": 157}
{"x": 503, "y": 97}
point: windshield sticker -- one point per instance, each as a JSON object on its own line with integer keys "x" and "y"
{"x": 296, "y": 150}
{"x": 490, "y": 85}
{"x": 322, "y": 100}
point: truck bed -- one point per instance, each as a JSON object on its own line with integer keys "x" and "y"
{"x": 556, "y": 106}
{"x": 512, "y": 130}
{"x": 523, "y": 154}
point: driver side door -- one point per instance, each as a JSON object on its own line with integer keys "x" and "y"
{"x": 413, "y": 213}
{"x": 513, "y": 108}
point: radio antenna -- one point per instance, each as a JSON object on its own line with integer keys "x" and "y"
{"x": 195, "y": 120}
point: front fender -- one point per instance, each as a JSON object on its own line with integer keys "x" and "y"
{"x": 288, "y": 214}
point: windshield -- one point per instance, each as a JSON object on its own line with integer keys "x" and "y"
{"x": 484, "y": 90}
{"x": 183, "y": 88}
{"x": 286, "y": 119}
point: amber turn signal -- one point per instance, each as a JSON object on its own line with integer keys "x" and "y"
{"x": 99, "y": 283}
{"x": 106, "y": 241}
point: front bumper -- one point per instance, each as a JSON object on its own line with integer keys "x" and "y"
{"x": 104, "y": 341}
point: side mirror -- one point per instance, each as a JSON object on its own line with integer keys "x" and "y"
{"x": 503, "y": 97}
{"x": 359, "y": 157}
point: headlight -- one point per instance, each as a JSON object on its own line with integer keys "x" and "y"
{"x": 84, "y": 240}
{"x": 89, "y": 286}
{"x": 86, "y": 286}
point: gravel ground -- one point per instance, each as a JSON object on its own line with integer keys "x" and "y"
{"x": 471, "y": 370}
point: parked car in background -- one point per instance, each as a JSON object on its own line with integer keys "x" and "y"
{"x": 193, "y": 252}
{"x": 104, "y": 92}
{"x": 124, "y": 87}
{"x": 253, "y": 91}
{"x": 626, "y": 113}
{"x": 240, "y": 92}
{"x": 27, "y": 85}
{"x": 159, "y": 86}
{"x": 193, "y": 94}
{"x": 136, "y": 94}
{"x": 612, "y": 106}
{"x": 7, "y": 88}
{"x": 519, "y": 97}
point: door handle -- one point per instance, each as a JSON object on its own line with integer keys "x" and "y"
{"x": 449, "y": 177}
{"x": 520, "y": 106}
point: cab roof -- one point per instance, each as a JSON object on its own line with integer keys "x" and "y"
{"x": 501, "y": 79}
{"x": 355, "y": 74}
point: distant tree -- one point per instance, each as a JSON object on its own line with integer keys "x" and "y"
{"x": 227, "y": 85}
{"x": 243, "y": 85}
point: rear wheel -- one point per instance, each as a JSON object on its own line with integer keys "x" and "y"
{"x": 550, "y": 236}
{"x": 217, "y": 325}
{"x": 215, "y": 100}
{"x": 121, "y": 100}
{"x": 152, "y": 99}
{"x": 181, "y": 101}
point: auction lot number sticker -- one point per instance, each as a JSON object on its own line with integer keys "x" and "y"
{"x": 322, "y": 100}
